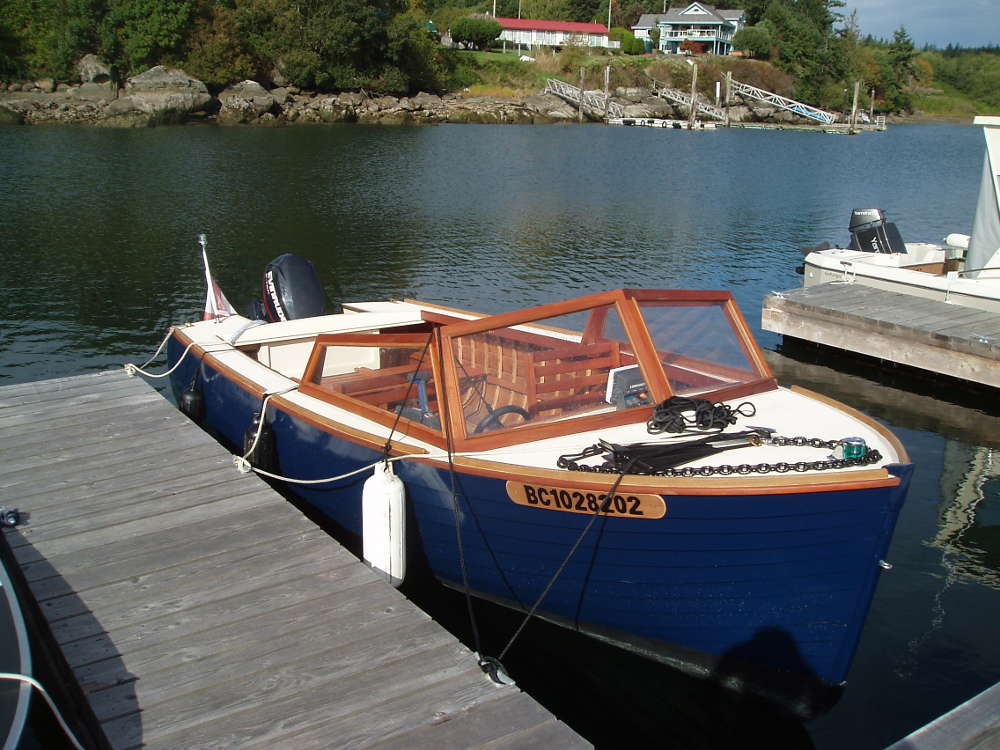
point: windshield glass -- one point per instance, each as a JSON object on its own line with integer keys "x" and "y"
{"x": 698, "y": 345}
{"x": 551, "y": 369}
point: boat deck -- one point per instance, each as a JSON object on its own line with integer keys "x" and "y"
{"x": 197, "y": 608}
{"x": 941, "y": 338}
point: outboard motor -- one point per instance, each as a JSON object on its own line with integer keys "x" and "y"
{"x": 871, "y": 233}
{"x": 291, "y": 290}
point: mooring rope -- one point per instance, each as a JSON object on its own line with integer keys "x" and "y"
{"x": 52, "y": 705}
{"x": 569, "y": 555}
{"x": 132, "y": 369}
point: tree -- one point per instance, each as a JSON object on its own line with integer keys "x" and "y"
{"x": 11, "y": 63}
{"x": 755, "y": 41}
{"x": 138, "y": 34}
{"x": 75, "y": 32}
{"x": 217, "y": 53}
{"x": 654, "y": 35}
{"x": 902, "y": 54}
{"x": 586, "y": 11}
{"x": 552, "y": 10}
{"x": 475, "y": 32}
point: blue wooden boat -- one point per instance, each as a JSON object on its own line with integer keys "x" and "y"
{"x": 540, "y": 470}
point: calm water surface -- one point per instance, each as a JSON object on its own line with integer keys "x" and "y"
{"x": 99, "y": 256}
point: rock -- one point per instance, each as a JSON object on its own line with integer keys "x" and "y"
{"x": 94, "y": 91}
{"x": 638, "y": 111}
{"x": 166, "y": 94}
{"x": 93, "y": 69}
{"x": 277, "y": 78}
{"x": 551, "y": 107}
{"x": 426, "y": 101}
{"x": 280, "y": 95}
{"x": 14, "y": 87}
{"x": 244, "y": 102}
{"x": 351, "y": 99}
{"x": 10, "y": 117}
{"x": 47, "y": 85}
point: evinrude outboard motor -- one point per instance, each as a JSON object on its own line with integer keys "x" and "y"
{"x": 871, "y": 233}
{"x": 291, "y": 290}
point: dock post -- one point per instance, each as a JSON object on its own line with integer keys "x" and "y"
{"x": 852, "y": 129}
{"x": 729, "y": 88}
{"x": 694, "y": 94}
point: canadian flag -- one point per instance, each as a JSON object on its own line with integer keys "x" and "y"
{"x": 216, "y": 304}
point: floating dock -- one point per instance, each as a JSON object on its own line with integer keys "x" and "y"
{"x": 937, "y": 337}
{"x": 197, "y": 608}
{"x": 974, "y": 725}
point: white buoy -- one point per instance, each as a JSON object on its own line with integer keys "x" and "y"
{"x": 383, "y": 523}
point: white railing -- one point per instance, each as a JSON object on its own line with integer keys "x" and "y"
{"x": 697, "y": 34}
{"x": 783, "y": 102}
{"x": 679, "y": 97}
{"x": 596, "y": 102}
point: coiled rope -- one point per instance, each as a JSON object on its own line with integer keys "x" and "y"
{"x": 52, "y": 705}
{"x": 669, "y": 415}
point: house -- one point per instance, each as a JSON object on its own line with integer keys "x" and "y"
{"x": 699, "y": 23}
{"x": 533, "y": 32}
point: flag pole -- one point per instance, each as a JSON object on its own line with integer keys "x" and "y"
{"x": 210, "y": 308}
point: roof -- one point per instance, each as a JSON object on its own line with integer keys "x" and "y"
{"x": 570, "y": 27}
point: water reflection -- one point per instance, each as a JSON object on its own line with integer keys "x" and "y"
{"x": 968, "y": 532}
{"x": 99, "y": 256}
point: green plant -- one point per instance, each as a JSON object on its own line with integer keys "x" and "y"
{"x": 475, "y": 32}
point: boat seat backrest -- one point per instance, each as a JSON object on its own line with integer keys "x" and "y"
{"x": 573, "y": 375}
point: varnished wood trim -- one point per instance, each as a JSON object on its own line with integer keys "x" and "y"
{"x": 366, "y": 439}
{"x": 750, "y": 345}
{"x": 885, "y": 432}
{"x": 207, "y": 357}
{"x": 773, "y": 484}
{"x": 708, "y": 486}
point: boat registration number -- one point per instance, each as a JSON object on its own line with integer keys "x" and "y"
{"x": 584, "y": 501}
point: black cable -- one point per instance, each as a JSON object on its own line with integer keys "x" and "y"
{"x": 406, "y": 396}
{"x": 555, "y": 576}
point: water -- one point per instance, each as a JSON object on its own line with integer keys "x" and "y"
{"x": 99, "y": 256}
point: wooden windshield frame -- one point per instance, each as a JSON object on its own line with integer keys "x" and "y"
{"x": 626, "y": 302}
{"x": 442, "y": 361}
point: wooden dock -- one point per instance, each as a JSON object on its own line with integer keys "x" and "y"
{"x": 974, "y": 725}
{"x": 197, "y": 608}
{"x": 938, "y": 337}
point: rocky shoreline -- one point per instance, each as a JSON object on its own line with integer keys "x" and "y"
{"x": 162, "y": 96}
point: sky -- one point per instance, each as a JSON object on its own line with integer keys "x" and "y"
{"x": 969, "y": 23}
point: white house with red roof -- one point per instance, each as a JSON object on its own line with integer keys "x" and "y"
{"x": 533, "y": 32}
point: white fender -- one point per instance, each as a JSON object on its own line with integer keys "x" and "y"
{"x": 383, "y": 523}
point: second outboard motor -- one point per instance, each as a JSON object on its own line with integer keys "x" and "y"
{"x": 291, "y": 290}
{"x": 871, "y": 233}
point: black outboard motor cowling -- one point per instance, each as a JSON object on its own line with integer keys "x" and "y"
{"x": 291, "y": 289}
{"x": 871, "y": 233}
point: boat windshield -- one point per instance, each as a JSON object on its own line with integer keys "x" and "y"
{"x": 615, "y": 353}
{"x": 698, "y": 346}
{"x": 581, "y": 364}
{"x": 551, "y": 369}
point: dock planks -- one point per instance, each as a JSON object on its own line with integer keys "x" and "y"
{"x": 938, "y": 337}
{"x": 197, "y": 608}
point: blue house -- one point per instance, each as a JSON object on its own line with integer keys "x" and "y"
{"x": 712, "y": 29}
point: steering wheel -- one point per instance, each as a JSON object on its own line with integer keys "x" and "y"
{"x": 492, "y": 420}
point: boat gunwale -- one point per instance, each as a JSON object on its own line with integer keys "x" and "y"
{"x": 860, "y": 479}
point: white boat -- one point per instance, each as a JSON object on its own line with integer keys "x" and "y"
{"x": 963, "y": 271}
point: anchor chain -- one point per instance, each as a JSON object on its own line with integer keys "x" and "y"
{"x": 611, "y": 464}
